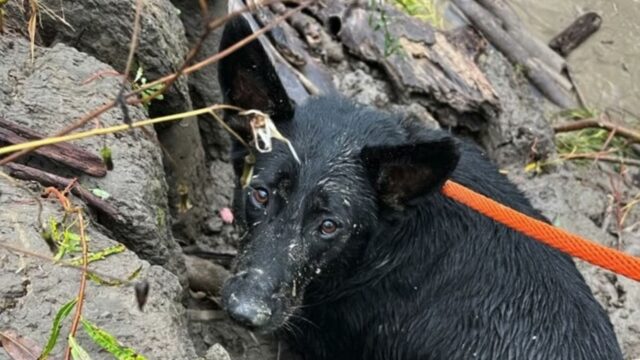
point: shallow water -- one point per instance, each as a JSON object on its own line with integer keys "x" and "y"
{"x": 606, "y": 67}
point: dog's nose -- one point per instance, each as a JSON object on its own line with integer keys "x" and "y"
{"x": 253, "y": 313}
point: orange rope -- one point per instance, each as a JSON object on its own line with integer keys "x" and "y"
{"x": 564, "y": 241}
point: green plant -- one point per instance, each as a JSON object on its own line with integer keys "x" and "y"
{"x": 578, "y": 113}
{"x": 109, "y": 343}
{"x": 391, "y": 44}
{"x": 2, "y": 14}
{"x": 69, "y": 236}
{"x": 425, "y": 10}
{"x": 592, "y": 140}
{"x": 139, "y": 81}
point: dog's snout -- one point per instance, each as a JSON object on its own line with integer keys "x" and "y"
{"x": 249, "y": 312}
{"x": 246, "y": 298}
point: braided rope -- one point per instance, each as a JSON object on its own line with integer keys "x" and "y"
{"x": 562, "y": 240}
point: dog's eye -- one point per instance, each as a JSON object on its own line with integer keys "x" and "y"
{"x": 260, "y": 196}
{"x": 328, "y": 227}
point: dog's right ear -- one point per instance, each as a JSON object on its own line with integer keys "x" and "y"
{"x": 248, "y": 79}
{"x": 401, "y": 173}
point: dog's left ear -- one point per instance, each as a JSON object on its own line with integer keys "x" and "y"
{"x": 248, "y": 78}
{"x": 403, "y": 172}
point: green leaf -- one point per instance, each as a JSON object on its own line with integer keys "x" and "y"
{"x": 138, "y": 74}
{"x": 77, "y": 352}
{"x": 100, "y": 281}
{"x": 107, "y": 157}
{"x": 109, "y": 342}
{"x": 135, "y": 273}
{"x": 100, "y": 193}
{"x": 70, "y": 243}
{"x": 64, "y": 311}
{"x": 533, "y": 166}
{"x": 53, "y": 224}
{"x": 100, "y": 255}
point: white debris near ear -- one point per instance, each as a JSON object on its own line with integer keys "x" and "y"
{"x": 264, "y": 130}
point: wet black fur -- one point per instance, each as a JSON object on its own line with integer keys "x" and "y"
{"x": 412, "y": 274}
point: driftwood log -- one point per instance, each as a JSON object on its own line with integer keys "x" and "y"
{"x": 512, "y": 24}
{"x": 574, "y": 35}
{"x": 546, "y": 80}
{"x": 66, "y": 154}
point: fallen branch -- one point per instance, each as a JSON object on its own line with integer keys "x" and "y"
{"x": 5, "y": 245}
{"x": 607, "y": 158}
{"x": 512, "y": 24}
{"x": 577, "y": 33}
{"x": 598, "y": 123}
{"x": 109, "y": 130}
{"x": 47, "y": 179}
{"x": 83, "y": 282}
{"x": 69, "y": 155}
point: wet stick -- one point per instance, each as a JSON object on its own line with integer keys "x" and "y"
{"x": 577, "y": 33}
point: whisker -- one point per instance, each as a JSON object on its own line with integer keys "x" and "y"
{"x": 300, "y": 317}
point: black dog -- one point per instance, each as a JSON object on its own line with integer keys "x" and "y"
{"x": 355, "y": 253}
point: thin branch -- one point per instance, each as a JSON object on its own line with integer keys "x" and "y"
{"x": 109, "y": 130}
{"x": 134, "y": 41}
{"x": 598, "y": 123}
{"x": 215, "y": 58}
{"x": 63, "y": 264}
{"x": 83, "y": 281}
{"x": 208, "y": 29}
{"x": 121, "y": 99}
{"x": 607, "y": 158}
{"x": 576, "y": 88}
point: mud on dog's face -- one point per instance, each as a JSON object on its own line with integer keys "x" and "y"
{"x": 299, "y": 219}
{"x": 306, "y": 220}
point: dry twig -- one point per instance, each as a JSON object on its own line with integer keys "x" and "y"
{"x": 598, "y": 123}
{"x": 4, "y": 245}
{"x": 83, "y": 281}
{"x": 607, "y": 158}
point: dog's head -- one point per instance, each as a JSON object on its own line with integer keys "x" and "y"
{"x": 310, "y": 219}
